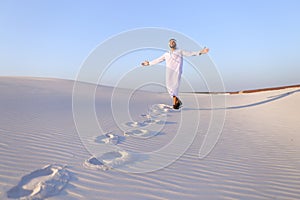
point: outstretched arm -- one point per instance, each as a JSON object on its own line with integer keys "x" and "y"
{"x": 153, "y": 62}
{"x": 195, "y": 53}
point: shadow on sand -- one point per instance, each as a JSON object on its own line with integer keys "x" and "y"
{"x": 270, "y": 99}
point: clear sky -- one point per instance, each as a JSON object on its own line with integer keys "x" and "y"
{"x": 254, "y": 43}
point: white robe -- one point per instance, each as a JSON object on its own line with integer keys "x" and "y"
{"x": 174, "y": 61}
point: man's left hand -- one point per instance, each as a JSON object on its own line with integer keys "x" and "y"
{"x": 204, "y": 51}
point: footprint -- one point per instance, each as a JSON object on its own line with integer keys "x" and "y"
{"x": 41, "y": 184}
{"x": 144, "y": 123}
{"x": 108, "y": 160}
{"x": 114, "y": 157}
{"x": 94, "y": 163}
{"x": 141, "y": 133}
{"x": 108, "y": 138}
{"x": 135, "y": 124}
{"x": 156, "y": 116}
{"x": 159, "y": 111}
{"x": 161, "y": 108}
{"x": 154, "y": 121}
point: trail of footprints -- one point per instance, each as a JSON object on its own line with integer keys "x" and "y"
{"x": 51, "y": 179}
{"x": 114, "y": 159}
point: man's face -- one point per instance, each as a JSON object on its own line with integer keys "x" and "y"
{"x": 172, "y": 44}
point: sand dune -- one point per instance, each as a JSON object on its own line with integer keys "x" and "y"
{"x": 44, "y": 153}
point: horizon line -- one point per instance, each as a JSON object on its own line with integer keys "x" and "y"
{"x": 226, "y": 92}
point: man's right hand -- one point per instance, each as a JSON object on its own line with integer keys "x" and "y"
{"x": 145, "y": 63}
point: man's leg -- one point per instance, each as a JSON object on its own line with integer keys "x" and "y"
{"x": 176, "y": 102}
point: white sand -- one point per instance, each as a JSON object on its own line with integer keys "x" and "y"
{"x": 42, "y": 155}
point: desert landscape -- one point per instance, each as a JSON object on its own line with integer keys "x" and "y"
{"x": 47, "y": 154}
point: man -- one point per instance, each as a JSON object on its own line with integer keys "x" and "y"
{"x": 174, "y": 61}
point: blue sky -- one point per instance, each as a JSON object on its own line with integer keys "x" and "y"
{"x": 254, "y": 43}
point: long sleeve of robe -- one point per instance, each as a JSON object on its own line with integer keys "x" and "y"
{"x": 174, "y": 62}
